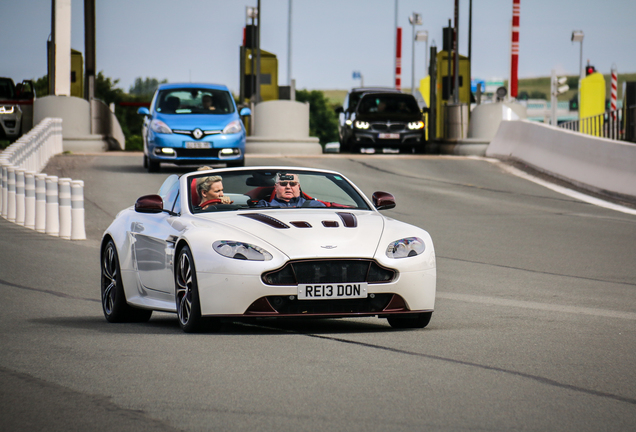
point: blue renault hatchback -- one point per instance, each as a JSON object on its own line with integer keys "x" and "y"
{"x": 193, "y": 124}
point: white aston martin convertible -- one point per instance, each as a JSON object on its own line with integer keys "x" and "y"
{"x": 262, "y": 242}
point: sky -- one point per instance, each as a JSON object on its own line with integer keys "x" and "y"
{"x": 198, "y": 40}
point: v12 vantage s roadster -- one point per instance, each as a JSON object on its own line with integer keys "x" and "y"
{"x": 245, "y": 243}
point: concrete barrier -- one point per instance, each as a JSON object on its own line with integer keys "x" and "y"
{"x": 597, "y": 164}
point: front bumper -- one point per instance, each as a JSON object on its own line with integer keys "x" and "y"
{"x": 222, "y": 147}
{"x": 402, "y": 140}
{"x": 247, "y": 296}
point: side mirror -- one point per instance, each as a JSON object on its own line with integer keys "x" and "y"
{"x": 245, "y": 112}
{"x": 149, "y": 204}
{"x": 143, "y": 111}
{"x": 338, "y": 110}
{"x": 383, "y": 200}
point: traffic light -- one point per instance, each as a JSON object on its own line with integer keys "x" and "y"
{"x": 589, "y": 70}
{"x": 574, "y": 103}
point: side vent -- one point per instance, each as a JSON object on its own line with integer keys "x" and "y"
{"x": 348, "y": 219}
{"x": 267, "y": 220}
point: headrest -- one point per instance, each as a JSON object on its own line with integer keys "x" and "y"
{"x": 260, "y": 179}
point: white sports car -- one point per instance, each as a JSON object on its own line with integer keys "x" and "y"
{"x": 246, "y": 243}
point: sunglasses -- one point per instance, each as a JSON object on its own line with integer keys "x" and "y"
{"x": 285, "y": 183}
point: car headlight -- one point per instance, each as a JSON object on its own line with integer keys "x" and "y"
{"x": 160, "y": 127}
{"x": 362, "y": 124}
{"x": 416, "y": 125}
{"x": 233, "y": 127}
{"x": 406, "y": 247}
{"x": 242, "y": 251}
{"x": 6, "y": 109}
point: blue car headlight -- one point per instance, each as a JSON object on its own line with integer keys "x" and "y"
{"x": 160, "y": 127}
{"x": 406, "y": 247}
{"x": 232, "y": 127}
{"x": 240, "y": 250}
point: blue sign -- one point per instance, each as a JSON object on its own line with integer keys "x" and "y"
{"x": 357, "y": 75}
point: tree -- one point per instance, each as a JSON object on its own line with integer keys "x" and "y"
{"x": 323, "y": 122}
{"x": 145, "y": 87}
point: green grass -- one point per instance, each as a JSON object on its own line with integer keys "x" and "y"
{"x": 4, "y": 144}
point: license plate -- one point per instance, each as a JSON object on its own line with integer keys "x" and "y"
{"x": 197, "y": 145}
{"x": 332, "y": 291}
{"x": 389, "y": 135}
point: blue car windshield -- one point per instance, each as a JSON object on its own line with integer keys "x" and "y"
{"x": 194, "y": 101}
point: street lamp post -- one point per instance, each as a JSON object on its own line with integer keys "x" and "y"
{"x": 577, "y": 36}
{"x": 414, "y": 19}
{"x": 422, "y": 36}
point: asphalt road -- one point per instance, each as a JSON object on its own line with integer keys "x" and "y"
{"x": 534, "y": 328}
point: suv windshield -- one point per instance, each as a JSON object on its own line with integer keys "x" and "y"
{"x": 388, "y": 104}
{"x": 7, "y": 89}
{"x": 194, "y": 101}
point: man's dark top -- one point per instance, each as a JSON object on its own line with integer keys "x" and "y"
{"x": 294, "y": 202}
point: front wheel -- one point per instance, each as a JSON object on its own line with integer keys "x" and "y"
{"x": 114, "y": 304}
{"x": 419, "y": 320}
{"x": 187, "y": 293}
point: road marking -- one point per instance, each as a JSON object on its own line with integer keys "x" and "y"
{"x": 536, "y": 305}
{"x": 562, "y": 190}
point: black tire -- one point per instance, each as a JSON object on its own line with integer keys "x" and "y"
{"x": 153, "y": 167}
{"x": 187, "y": 293}
{"x": 114, "y": 305}
{"x": 420, "y": 320}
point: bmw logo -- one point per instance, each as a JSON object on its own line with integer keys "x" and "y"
{"x": 197, "y": 133}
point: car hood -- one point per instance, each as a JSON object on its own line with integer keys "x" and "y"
{"x": 193, "y": 121}
{"x": 374, "y": 117}
{"x": 300, "y": 233}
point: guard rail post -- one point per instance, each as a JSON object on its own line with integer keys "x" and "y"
{"x": 40, "y": 203}
{"x": 65, "y": 207}
{"x": 11, "y": 194}
{"x": 29, "y": 199}
{"x": 78, "y": 231}
{"x": 52, "y": 207}
{"x": 19, "y": 196}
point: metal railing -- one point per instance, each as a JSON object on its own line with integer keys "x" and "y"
{"x": 619, "y": 124}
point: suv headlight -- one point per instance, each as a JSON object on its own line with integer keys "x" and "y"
{"x": 7, "y": 109}
{"x": 362, "y": 124}
{"x": 406, "y": 247}
{"x": 240, "y": 250}
{"x": 160, "y": 127}
{"x": 416, "y": 125}
{"x": 233, "y": 127}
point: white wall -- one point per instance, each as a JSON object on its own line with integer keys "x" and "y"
{"x": 595, "y": 163}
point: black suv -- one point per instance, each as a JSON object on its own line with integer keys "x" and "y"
{"x": 345, "y": 129}
{"x": 384, "y": 120}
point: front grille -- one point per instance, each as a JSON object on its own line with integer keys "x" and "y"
{"x": 329, "y": 271}
{"x": 393, "y": 127}
{"x": 284, "y": 305}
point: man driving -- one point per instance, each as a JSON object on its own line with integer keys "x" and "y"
{"x": 287, "y": 193}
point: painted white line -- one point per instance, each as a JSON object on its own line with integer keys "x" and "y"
{"x": 537, "y": 306}
{"x": 562, "y": 190}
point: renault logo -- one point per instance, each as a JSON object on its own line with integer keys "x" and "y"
{"x": 197, "y": 133}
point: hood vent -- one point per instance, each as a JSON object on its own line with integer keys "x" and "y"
{"x": 348, "y": 219}
{"x": 301, "y": 224}
{"x": 267, "y": 220}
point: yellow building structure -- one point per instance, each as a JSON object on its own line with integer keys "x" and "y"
{"x": 442, "y": 83}
{"x": 592, "y": 102}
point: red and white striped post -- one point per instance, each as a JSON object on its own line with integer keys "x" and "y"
{"x": 614, "y": 88}
{"x": 514, "y": 48}
{"x": 398, "y": 60}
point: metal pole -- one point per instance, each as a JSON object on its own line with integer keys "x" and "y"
{"x": 258, "y": 55}
{"x": 553, "y": 99}
{"x": 395, "y": 41}
{"x": 456, "y": 46}
{"x": 289, "y": 43}
{"x": 413, "y": 58}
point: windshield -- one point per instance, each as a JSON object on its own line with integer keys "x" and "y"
{"x": 194, "y": 101}
{"x": 388, "y": 104}
{"x": 7, "y": 89}
{"x": 239, "y": 190}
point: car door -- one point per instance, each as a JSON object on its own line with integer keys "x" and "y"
{"x": 153, "y": 247}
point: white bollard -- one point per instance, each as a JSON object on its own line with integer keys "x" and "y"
{"x": 29, "y": 199}
{"x": 19, "y": 196}
{"x": 52, "y": 207}
{"x": 11, "y": 194}
{"x": 78, "y": 231}
{"x": 3, "y": 185}
{"x": 65, "y": 207}
{"x": 40, "y": 203}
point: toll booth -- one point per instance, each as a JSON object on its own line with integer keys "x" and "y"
{"x": 77, "y": 74}
{"x": 269, "y": 74}
{"x": 445, "y": 88}
{"x": 592, "y": 101}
